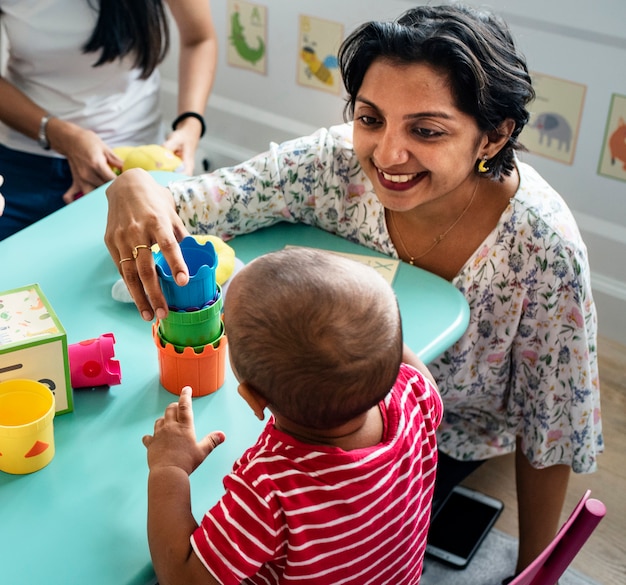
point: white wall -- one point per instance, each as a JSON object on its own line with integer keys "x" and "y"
{"x": 581, "y": 42}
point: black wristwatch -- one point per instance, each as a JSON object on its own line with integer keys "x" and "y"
{"x": 42, "y": 137}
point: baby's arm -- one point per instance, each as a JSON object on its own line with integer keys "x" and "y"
{"x": 173, "y": 454}
{"x": 409, "y": 357}
{"x": 436, "y": 403}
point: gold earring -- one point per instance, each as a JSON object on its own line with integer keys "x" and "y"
{"x": 482, "y": 167}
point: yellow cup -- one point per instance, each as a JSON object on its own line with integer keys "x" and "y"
{"x": 26, "y": 429}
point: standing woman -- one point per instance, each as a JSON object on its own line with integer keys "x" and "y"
{"x": 82, "y": 78}
{"x": 427, "y": 172}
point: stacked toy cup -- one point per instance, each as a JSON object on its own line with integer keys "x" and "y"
{"x": 190, "y": 341}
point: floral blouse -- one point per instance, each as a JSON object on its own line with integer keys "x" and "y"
{"x": 526, "y": 365}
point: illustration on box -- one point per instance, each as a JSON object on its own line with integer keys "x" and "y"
{"x": 33, "y": 343}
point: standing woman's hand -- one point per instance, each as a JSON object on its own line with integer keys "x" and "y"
{"x": 183, "y": 142}
{"x": 142, "y": 213}
{"x": 89, "y": 158}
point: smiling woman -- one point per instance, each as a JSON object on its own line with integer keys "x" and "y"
{"x": 428, "y": 173}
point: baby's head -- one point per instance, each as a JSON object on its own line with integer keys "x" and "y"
{"x": 317, "y": 335}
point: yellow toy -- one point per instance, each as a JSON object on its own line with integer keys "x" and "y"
{"x": 150, "y": 157}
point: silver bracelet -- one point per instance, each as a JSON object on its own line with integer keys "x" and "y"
{"x": 42, "y": 137}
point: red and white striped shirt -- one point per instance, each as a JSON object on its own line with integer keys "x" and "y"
{"x": 298, "y": 513}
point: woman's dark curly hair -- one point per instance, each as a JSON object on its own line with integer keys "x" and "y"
{"x": 488, "y": 75}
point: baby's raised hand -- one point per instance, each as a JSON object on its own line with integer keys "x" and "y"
{"x": 173, "y": 443}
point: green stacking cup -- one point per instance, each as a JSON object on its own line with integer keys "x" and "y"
{"x": 193, "y": 328}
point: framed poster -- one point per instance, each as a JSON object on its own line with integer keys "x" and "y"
{"x": 247, "y": 35}
{"x": 552, "y": 130}
{"x": 318, "y": 44}
{"x": 613, "y": 156}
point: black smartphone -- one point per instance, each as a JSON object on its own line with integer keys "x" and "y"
{"x": 461, "y": 524}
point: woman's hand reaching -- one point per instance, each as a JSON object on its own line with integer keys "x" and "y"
{"x": 142, "y": 213}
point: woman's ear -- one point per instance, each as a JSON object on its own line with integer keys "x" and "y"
{"x": 497, "y": 139}
{"x": 255, "y": 401}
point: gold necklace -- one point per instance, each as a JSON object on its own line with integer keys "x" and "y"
{"x": 439, "y": 237}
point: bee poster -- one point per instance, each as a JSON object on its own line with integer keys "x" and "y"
{"x": 613, "y": 159}
{"x": 552, "y": 130}
{"x": 319, "y": 42}
{"x": 247, "y": 35}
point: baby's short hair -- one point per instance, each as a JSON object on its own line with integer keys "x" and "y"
{"x": 317, "y": 334}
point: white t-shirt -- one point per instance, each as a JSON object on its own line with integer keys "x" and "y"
{"x": 46, "y": 62}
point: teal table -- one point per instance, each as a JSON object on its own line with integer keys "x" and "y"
{"x": 82, "y": 519}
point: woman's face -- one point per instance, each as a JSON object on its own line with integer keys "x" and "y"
{"x": 412, "y": 141}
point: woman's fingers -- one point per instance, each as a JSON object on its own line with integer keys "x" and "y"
{"x": 142, "y": 213}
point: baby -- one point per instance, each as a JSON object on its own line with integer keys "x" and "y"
{"x": 338, "y": 487}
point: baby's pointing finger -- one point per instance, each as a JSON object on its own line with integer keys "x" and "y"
{"x": 185, "y": 409}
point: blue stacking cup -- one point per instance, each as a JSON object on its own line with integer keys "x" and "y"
{"x": 201, "y": 260}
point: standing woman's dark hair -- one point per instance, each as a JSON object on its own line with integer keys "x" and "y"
{"x": 488, "y": 76}
{"x": 125, "y": 27}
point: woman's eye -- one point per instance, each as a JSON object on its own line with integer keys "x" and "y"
{"x": 427, "y": 132}
{"x": 367, "y": 120}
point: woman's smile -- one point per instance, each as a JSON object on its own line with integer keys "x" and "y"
{"x": 399, "y": 182}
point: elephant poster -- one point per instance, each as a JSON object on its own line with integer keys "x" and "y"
{"x": 555, "y": 118}
{"x": 613, "y": 158}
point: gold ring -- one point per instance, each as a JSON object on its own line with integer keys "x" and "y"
{"x": 125, "y": 260}
{"x": 137, "y": 248}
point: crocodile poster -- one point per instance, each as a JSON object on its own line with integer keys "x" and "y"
{"x": 247, "y": 35}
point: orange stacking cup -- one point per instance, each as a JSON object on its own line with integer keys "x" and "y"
{"x": 202, "y": 368}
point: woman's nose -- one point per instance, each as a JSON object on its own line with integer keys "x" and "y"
{"x": 391, "y": 149}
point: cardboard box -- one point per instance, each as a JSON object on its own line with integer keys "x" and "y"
{"x": 33, "y": 343}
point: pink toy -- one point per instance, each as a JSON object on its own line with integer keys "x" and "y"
{"x": 92, "y": 363}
